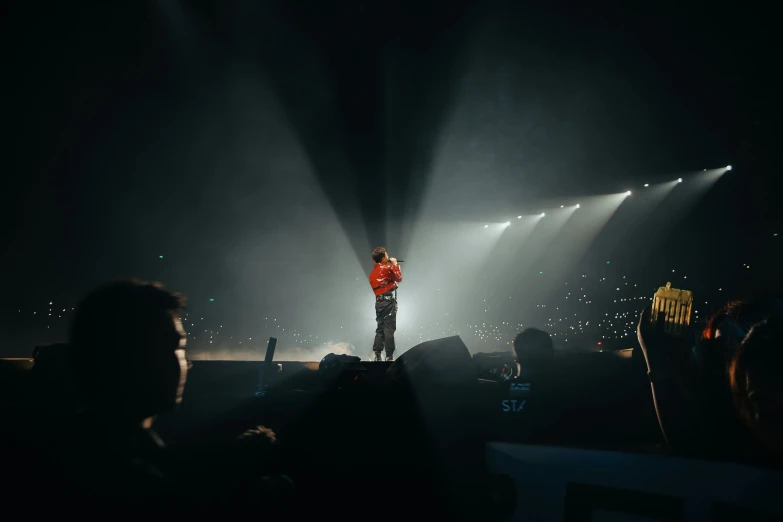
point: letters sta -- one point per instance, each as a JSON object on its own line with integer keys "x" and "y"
{"x": 513, "y": 405}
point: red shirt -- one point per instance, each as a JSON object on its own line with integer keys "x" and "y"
{"x": 384, "y": 278}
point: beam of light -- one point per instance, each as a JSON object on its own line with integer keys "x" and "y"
{"x": 508, "y": 253}
{"x": 412, "y": 140}
{"x": 245, "y": 100}
{"x": 543, "y": 214}
{"x": 460, "y": 250}
{"x": 516, "y": 255}
{"x": 704, "y": 181}
{"x": 577, "y": 235}
{"x": 645, "y": 206}
{"x": 628, "y": 193}
{"x": 660, "y": 209}
{"x": 714, "y": 174}
{"x": 573, "y": 237}
{"x": 238, "y": 96}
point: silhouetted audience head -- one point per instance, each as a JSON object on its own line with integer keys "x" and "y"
{"x": 735, "y": 319}
{"x": 756, "y": 377}
{"x": 258, "y": 442}
{"x": 727, "y": 328}
{"x": 730, "y": 313}
{"x": 128, "y": 348}
{"x": 533, "y": 345}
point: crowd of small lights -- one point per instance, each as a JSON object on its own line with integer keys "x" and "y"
{"x": 588, "y": 312}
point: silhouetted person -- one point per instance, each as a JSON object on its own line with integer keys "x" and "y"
{"x": 725, "y": 331}
{"x": 756, "y": 377}
{"x": 531, "y": 407}
{"x": 690, "y": 385}
{"x": 128, "y": 357}
{"x": 533, "y": 350}
{"x": 384, "y": 278}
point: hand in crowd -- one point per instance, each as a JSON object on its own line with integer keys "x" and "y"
{"x": 664, "y": 351}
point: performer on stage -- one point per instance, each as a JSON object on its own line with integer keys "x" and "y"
{"x": 383, "y": 279}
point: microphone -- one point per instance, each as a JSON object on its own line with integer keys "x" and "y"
{"x": 400, "y": 261}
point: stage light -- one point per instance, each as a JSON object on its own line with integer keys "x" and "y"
{"x": 646, "y": 184}
{"x": 486, "y": 226}
{"x": 543, "y": 214}
{"x": 728, "y": 167}
{"x": 577, "y": 205}
{"x": 679, "y": 180}
{"x": 628, "y": 193}
{"x": 507, "y": 223}
{"x": 561, "y": 206}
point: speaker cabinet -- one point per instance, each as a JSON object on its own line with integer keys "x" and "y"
{"x": 440, "y": 362}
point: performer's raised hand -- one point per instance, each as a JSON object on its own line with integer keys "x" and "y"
{"x": 393, "y": 260}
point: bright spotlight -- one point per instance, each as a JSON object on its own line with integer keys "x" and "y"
{"x": 507, "y": 223}
{"x": 543, "y": 214}
{"x": 628, "y": 193}
{"x": 728, "y": 167}
{"x": 519, "y": 217}
{"x": 646, "y": 184}
{"x": 679, "y": 180}
{"x": 577, "y": 205}
{"x": 486, "y": 226}
{"x": 561, "y": 206}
